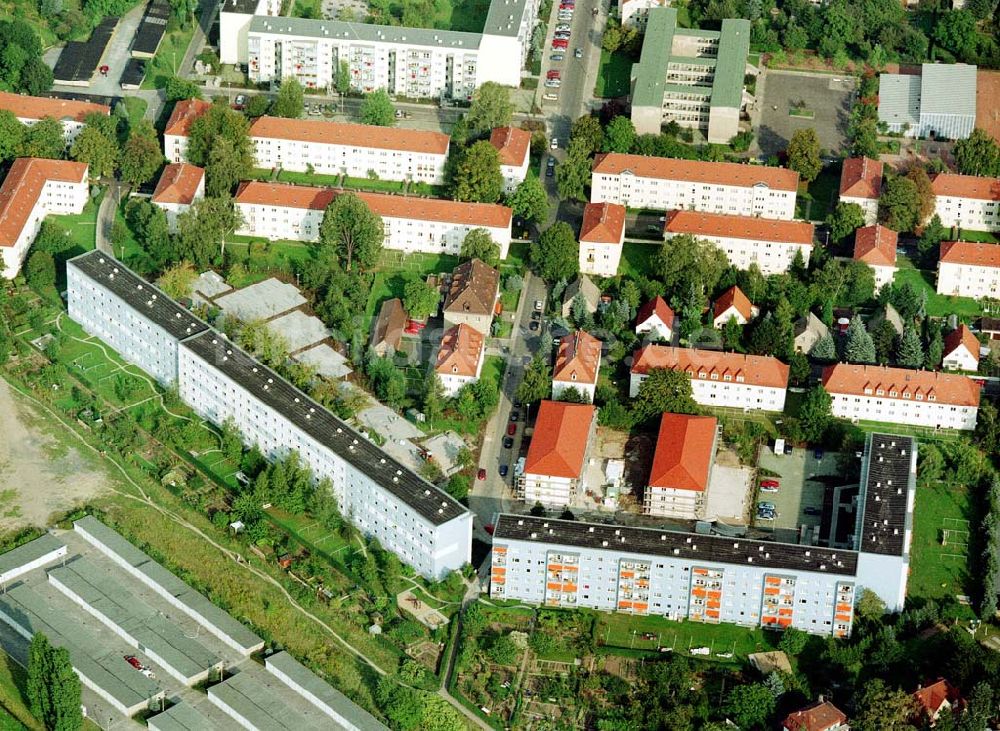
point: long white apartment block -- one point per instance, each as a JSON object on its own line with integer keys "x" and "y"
{"x": 421, "y": 524}
{"x": 416, "y": 63}
{"x": 771, "y": 245}
{"x": 966, "y": 201}
{"x": 665, "y": 184}
{"x": 902, "y": 396}
{"x": 355, "y": 150}
{"x": 71, "y": 114}
{"x": 33, "y": 189}
{"x": 713, "y": 579}
{"x": 968, "y": 269}
{"x": 431, "y": 225}
{"x": 751, "y": 382}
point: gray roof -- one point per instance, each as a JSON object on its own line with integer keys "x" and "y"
{"x": 504, "y": 17}
{"x": 582, "y": 285}
{"x": 182, "y": 717}
{"x": 886, "y": 482}
{"x": 31, "y": 551}
{"x": 731, "y": 64}
{"x": 365, "y": 33}
{"x": 899, "y": 99}
{"x": 263, "y": 708}
{"x": 314, "y": 685}
{"x": 948, "y": 88}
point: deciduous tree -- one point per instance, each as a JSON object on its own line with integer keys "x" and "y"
{"x": 420, "y": 299}
{"x": 845, "y": 220}
{"x": 141, "y": 156}
{"x": 749, "y": 705}
{"x": 40, "y": 270}
{"x": 663, "y": 390}
{"x": 12, "y": 135}
{"x": 97, "y": 145}
{"x": 290, "y": 100}
{"x": 685, "y": 263}
{"x": 529, "y": 200}
{"x": 377, "y": 109}
{"x": 477, "y": 176}
{"x": 881, "y": 708}
{"x": 352, "y": 231}
{"x": 219, "y": 121}
{"x": 619, "y": 135}
{"x": 478, "y": 244}
{"x": 491, "y": 107}
{"x": 573, "y": 173}
{"x": 899, "y": 205}
{"x": 537, "y": 381}
{"x": 978, "y": 154}
{"x": 815, "y": 414}
{"x": 925, "y": 194}
{"x": 557, "y": 254}
{"x": 803, "y": 154}
{"x": 202, "y": 230}
{"x": 588, "y": 131}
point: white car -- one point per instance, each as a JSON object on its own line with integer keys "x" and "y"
{"x": 551, "y": 97}
{"x": 539, "y": 305}
{"x": 563, "y": 27}
{"x": 553, "y": 83}
{"x": 554, "y": 144}
{"x": 768, "y": 489}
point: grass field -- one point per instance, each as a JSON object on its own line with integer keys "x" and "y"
{"x": 938, "y": 305}
{"x": 625, "y": 631}
{"x": 613, "y": 75}
{"x": 462, "y": 15}
{"x": 136, "y": 109}
{"x": 638, "y": 260}
{"x": 310, "y": 533}
{"x": 818, "y": 198}
{"x": 83, "y": 226}
{"x": 168, "y": 57}
{"x": 984, "y": 237}
{"x": 938, "y": 570}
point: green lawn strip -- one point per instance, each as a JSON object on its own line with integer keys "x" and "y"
{"x": 461, "y": 15}
{"x": 168, "y": 57}
{"x": 984, "y": 237}
{"x": 373, "y": 186}
{"x": 626, "y": 631}
{"x": 823, "y": 192}
{"x": 924, "y": 433}
{"x": 938, "y": 571}
{"x": 14, "y": 713}
{"x": 938, "y": 305}
{"x": 517, "y": 257}
{"x": 613, "y": 75}
{"x": 135, "y": 107}
{"x": 638, "y": 260}
{"x": 82, "y": 227}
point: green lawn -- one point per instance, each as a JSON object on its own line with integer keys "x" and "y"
{"x": 168, "y": 58}
{"x": 311, "y": 534}
{"x": 517, "y": 257}
{"x": 290, "y": 176}
{"x": 308, "y": 9}
{"x": 462, "y": 15}
{"x": 638, "y": 260}
{"x": 981, "y": 236}
{"x": 374, "y": 186}
{"x": 135, "y": 108}
{"x": 616, "y": 630}
{"x": 83, "y": 226}
{"x": 820, "y": 195}
{"x": 614, "y": 74}
{"x": 937, "y": 570}
{"x": 938, "y": 305}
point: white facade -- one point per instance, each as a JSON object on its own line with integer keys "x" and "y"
{"x": 549, "y": 489}
{"x": 654, "y": 328}
{"x": 968, "y": 280}
{"x": 587, "y": 389}
{"x": 900, "y": 411}
{"x": 514, "y": 175}
{"x": 883, "y": 275}
{"x": 175, "y": 147}
{"x": 600, "y": 258}
{"x": 977, "y": 214}
{"x": 772, "y": 257}
{"x": 869, "y": 206}
{"x": 960, "y": 359}
{"x": 731, "y": 313}
{"x": 635, "y": 13}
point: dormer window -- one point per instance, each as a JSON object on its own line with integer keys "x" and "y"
{"x": 893, "y": 394}
{"x": 879, "y": 392}
{"x": 740, "y": 379}
{"x": 868, "y": 392}
{"x": 715, "y": 376}
{"x": 727, "y": 377}
{"x": 573, "y": 377}
{"x": 932, "y": 397}
{"x": 906, "y": 394}
{"x": 920, "y": 397}
{"x": 702, "y": 374}
{"x": 454, "y": 369}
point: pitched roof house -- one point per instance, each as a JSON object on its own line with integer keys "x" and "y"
{"x": 808, "y": 331}
{"x": 935, "y": 699}
{"x": 581, "y": 285}
{"x": 578, "y": 361}
{"x": 733, "y": 303}
{"x": 601, "y": 237}
{"x": 682, "y": 465}
{"x": 656, "y": 318}
{"x": 876, "y": 247}
{"x": 961, "y": 350}
{"x": 820, "y": 716}
{"x": 387, "y": 331}
{"x": 460, "y": 359}
{"x": 561, "y": 435}
{"x": 472, "y": 296}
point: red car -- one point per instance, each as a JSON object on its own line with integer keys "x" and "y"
{"x": 770, "y": 483}
{"x": 511, "y": 428}
{"x": 558, "y": 43}
{"x": 133, "y": 661}
{"x": 481, "y": 475}
{"x": 553, "y": 74}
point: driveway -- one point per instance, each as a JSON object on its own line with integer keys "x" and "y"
{"x": 826, "y": 97}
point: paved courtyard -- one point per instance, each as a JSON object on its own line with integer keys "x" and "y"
{"x": 827, "y": 97}
{"x": 803, "y": 486}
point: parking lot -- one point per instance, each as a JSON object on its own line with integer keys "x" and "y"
{"x": 803, "y": 481}
{"x": 823, "y": 101}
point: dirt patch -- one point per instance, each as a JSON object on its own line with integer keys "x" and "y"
{"x": 39, "y": 474}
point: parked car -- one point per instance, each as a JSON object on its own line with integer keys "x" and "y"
{"x": 563, "y": 35}
{"x": 538, "y": 303}
{"x": 770, "y": 483}
{"x": 561, "y": 43}
{"x": 765, "y": 506}
{"x": 508, "y": 442}
{"x": 551, "y": 96}
{"x": 812, "y": 511}
{"x": 511, "y": 429}
{"x": 503, "y": 470}
{"x": 536, "y": 315}
{"x": 553, "y": 83}
{"x": 241, "y": 101}
{"x": 768, "y": 488}
{"x": 563, "y": 26}
{"x": 578, "y": 53}
{"x": 515, "y": 415}
{"x": 133, "y": 661}
{"x": 481, "y": 475}
{"x": 549, "y": 172}
{"x": 766, "y": 516}
{"x": 534, "y": 323}
{"x": 557, "y": 57}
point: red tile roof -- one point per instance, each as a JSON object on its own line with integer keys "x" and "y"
{"x": 961, "y": 335}
{"x": 733, "y": 297}
{"x": 603, "y": 223}
{"x": 755, "y": 370}
{"x": 578, "y": 359}
{"x": 393, "y": 206}
{"x": 739, "y": 227}
{"x": 967, "y": 252}
{"x": 659, "y": 307}
{"x": 718, "y": 173}
{"x": 875, "y": 245}
{"x": 38, "y": 107}
{"x": 861, "y": 177}
{"x": 559, "y": 444}
{"x": 183, "y": 116}
{"x": 931, "y": 698}
{"x": 683, "y": 456}
{"x": 461, "y": 348}
{"x": 179, "y": 183}
{"x": 473, "y": 290}
{"x": 513, "y": 145}
{"x": 966, "y": 186}
{"x": 820, "y": 716}
{"x": 23, "y": 185}
{"x": 946, "y": 388}
{"x": 354, "y": 135}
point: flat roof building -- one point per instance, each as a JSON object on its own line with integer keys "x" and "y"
{"x": 940, "y": 102}
{"x": 29, "y": 556}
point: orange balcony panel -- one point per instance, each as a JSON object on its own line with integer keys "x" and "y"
{"x": 642, "y": 584}
{"x": 640, "y": 606}
{"x": 499, "y": 570}
{"x": 714, "y": 603}
{"x": 570, "y": 568}
{"x": 552, "y": 603}
{"x": 499, "y": 549}
{"x": 628, "y": 574}
{"x": 785, "y": 612}
{"x": 555, "y": 567}
{"x": 701, "y": 572}
{"x": 499, "y": 580}
{"x": 698, "y": 592}
{"x": 844, "y": 608}
{"x": 554, "y": 586}
{"x": 843, "y": 617}
{"x": 714, "y": 594}
{"x": 773, "y": 580}
{"x": 771, "y": 591}
{"x": 569, "y": 587}
{"x": 784, "y": 621}
{"x": 624, "y": 605}
{"x": 713, "y": 613}
{"x": 768, "y": 620}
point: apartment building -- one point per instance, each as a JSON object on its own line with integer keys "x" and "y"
{"x": 71, "y": 114}
{"x": 417, "y": 63}
{"x": 635, "y": 13}
{"x": 749, "y": 382}
{"x": 682, "y": 467}
{"x": 175, "y": 134}
{"x": 665, "y": 184}
{"x": 179, "y": 186}
{"x": 33, "y": 189}
{"x": 966, "y": 201}
{"x": 431, "y": 225}
{"x": 712, "y": 579}
{"x": 460, "y": 358}
{"x": 472, "y": 296}
{"x": 861, "y": 183}
{"x": 876, "y": 247}
{"x": 655, "y": 320}
{"x": 902, "y": 396}
{"x": 968, "y": 269}
{"x": 555, "y": 466}
{"x": 578, "y": 363}
{"x": 771, "y": 245}
{"x": 355, "y": 150}
{"x": 961, "y": 350}
{"x": 602, "y": 235}
{"x": 423, "y": 526}
{"x": 513, "y": 145}
{"x": 733, "y": 304}
{"x": 691, "y": 77}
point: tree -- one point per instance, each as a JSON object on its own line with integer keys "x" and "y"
{"x": 557, "y": 254}
{"x": 257, "y": 106}
{"x": 824, "y": 349}
{"x": 478, "y": 244}
{"x": 219, "y": 121}
{"x": 793, "y": 641}
{"x": 925, "y": 194}
{"x": 477, "y": 176}
{"x": 141, "y": 156}
{"x": 573, "y": 173}
{"x": 910, "y": 353}
{"x": 40, "y": 270}
{"x": 459, "y": 486}
{"x": 44, "y": 139}
{"x": 749, "y": 705}
{"x": 663, "y": 390}
{"x": 978, "y": 154}
{"x": 815, "y": 414}
{"x": 227, "y": 166}
{"x": 433, "y": 401}
{"x": 178, "y": 280}
{"x": 884, "y": 337}
{"x": 957, "y": 31}
{"x": 588, "y": 132}
{"x": 689, "y": 264}
{"x": 53, "y": 687}
{"x": 97, "y": 146}
{"x": 420, "y": 299}
{"x": 289, "y": 102}
{"x": 935, "y": 345}
{"x": 504, "y": 651}
{"x": 870, "y": 606}
{"x": 899, "y": 204}
{"x": 377, "y": 109}
{"x": 529, "y": 200}
{"x": 39, "y": 672}
{"x": 537, "y": 381}
{"x": 343, "y": 78}
{"x": 930, "y": 240}
{"x": 12, "y": 135}
{"x": 881, "y": 708}
{"x": 732, "y": 334}
{"x": 619, "y": 135}
{"x": 803, "y": 154}
{"x": 351, "y": 231}
{"x": 491, "y": 107}
{"x": 21, "y": 66}
{"x": 177, "y": 89}
{"x": 859, "y": 346}
{"x": 202, "y": 230}
{"x": 845, "y": 220}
